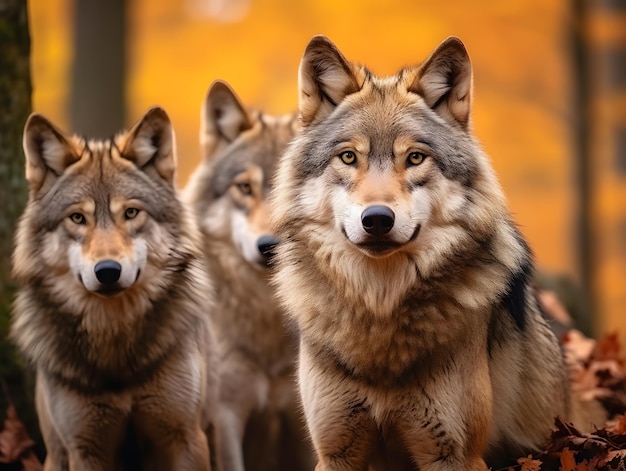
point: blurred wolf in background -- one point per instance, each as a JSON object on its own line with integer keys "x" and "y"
{"x": 228, "y": 192}
{"x": 114, "y": 300}
{"x": 422, "y": 343}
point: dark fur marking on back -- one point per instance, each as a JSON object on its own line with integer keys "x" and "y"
{"x": 515, "y": 297}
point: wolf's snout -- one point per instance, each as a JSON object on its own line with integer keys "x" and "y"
{"x": 266, "y": 245}
{"x": 377, "y": 220}
{"x": 108, "y": 272}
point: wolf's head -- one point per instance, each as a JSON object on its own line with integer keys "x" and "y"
{"x": 228, "y": 190}
{"x": 387, "y": 166}
{"x": 102, "y": 218}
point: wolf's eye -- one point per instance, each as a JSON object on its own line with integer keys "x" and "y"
{"x": 415, "y": 158}
{"x": 77, "y": 218}
{"x": 131, "y": 213}
{"x": 348, "y": 157}
{"x": 245, "y": 188}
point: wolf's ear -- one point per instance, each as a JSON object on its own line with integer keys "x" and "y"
{"x": 223, "y": 115}
{"x": 151, "y": 145}
{"x": 48, "y": 152}
{"x": 444, "y": 80}
{"x": 325, "y": 78}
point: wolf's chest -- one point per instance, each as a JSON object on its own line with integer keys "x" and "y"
{"x": 394, "y": 349}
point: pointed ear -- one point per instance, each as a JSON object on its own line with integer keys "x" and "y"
{"x": 325, "y": 78}
{"x": 444, "y": 80}
{"x": 47, "y": 150}
{"x": 223, "y": 115}
{"x": 151, "y": 145}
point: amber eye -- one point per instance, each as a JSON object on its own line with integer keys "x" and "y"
{"x": 245, "y": 188}
{"x": 415, "y": 158}
{"x": 131, "y": 213}
{"x": 77, "y": 218}
{"x": 348, "y": 157}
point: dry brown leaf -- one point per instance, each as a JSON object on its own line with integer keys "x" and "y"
{"x": 568, "y": 463}
{"x": 14, "y": 441}
{"x": 578, "y": 347}
{"x": 608, "y": 348}
{"x": 617, "y": 426}
{"x": 30, "y": 462}
{"x": 529, "y": 464}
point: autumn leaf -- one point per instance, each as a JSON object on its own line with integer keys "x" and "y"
{"x": 568, "y": 463}
{"x": 15, "y": 444}
{"x": 14, "y": 440}
{"x": 30, "y": 462}
{"x": 608, "y": 349}
{"x": 617, "y": 425}
{"x": 529, "y": 464}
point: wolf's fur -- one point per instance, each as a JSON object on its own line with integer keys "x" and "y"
{"x": 398, "y": 260}
{"x": 120, "y": 345}
{"x": 228, "y": 192}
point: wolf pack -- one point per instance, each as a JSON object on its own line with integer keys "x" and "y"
{"x": 341, "y": 288}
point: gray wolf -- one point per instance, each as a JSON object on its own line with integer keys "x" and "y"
{"x": 422, "y": 343}
{"x": 112, "y": 309}
{"x": 259, "y": 424}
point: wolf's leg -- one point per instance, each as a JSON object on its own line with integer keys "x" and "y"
{"x": 343, "y": 436}
{"x": 56, "y": 456}
{"x": 444, "y": 421}
{"x": 94, "y": 445}
{"x": 243, "y": 389}
{"x": 91, "y": 428}
{"x": 337, "y": 415}
{"x": 230, "y": 428}
{"x": 190, "y": 452}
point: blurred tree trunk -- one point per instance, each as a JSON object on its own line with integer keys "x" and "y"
{"x": 98, "y": 75}
{"x": 15, "y": 103}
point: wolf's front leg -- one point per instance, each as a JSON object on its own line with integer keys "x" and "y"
{"x": 445, "y": 419}
{"x": 343, "y": 437}
{"x": 83, "y": 432}
{"x": 94, "y": 444}
{"x": 190, "y": 452}
{"x": 338, "y": 418}
{"x": 230, "y": 429}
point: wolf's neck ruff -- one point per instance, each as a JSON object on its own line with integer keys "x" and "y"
{"x": 84, "y": 361}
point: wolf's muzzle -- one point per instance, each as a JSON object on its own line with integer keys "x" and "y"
{"x": 108, "y": 272}
{"x": 377, "y": 219}
{"x": 266, "y": 245}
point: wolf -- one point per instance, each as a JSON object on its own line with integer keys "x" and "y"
{"x": 259, "y": 425}
{"x": 422, "y": 343}
{"x": 113, "y": 303}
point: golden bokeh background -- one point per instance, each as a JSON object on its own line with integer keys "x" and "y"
{"x": 525, "y": 88}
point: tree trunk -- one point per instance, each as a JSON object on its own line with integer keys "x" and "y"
{"x": 97, "y": 93}
{"x": 15, "y": 103}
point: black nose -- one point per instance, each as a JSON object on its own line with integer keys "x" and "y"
{"x": 266, "y": 245}
{"x": 108, "y": 271}
{"x": 377, "y": 220}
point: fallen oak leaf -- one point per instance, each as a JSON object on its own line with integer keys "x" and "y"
{"x": 578, "y": 347}
{"x": 529, "y": 464}
{"x": 30, "y": 462}
{"x": 617, "y": 425}
{"x": 608, "y": 348}
{"x": 566, "y": 435}
{"x": 14, "y": 441}
{"x": 568, "y": 463}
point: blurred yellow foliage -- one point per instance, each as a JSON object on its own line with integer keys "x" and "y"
{"x": 523, "y": 107}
